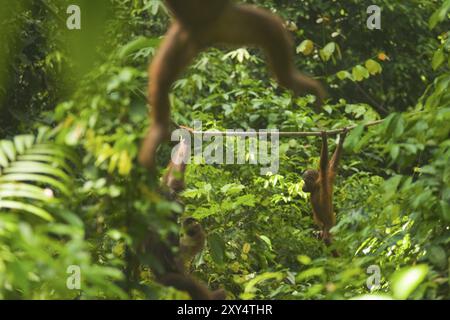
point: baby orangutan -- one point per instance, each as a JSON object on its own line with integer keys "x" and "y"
{"x": 192, "y": 240}
{"x": 169, "y": 266}
{"x": 320, "y": 184}
{"x": 199, "y": 24}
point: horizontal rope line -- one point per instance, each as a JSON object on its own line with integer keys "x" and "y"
{"x": 281, "y": 133}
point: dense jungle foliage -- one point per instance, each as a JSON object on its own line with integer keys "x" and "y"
{"x": 73, "y": 107}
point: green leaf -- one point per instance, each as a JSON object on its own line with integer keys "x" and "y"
{"x": 354, "y": 137}
{"x": 310, "y": 273}
{"x": 342, "y": 75}
{"x": 439, "y": 15}
{"x": 232, "y": 189}
{"x": 251, "y": 285}
{"x": 306, "y": 47}
{"x": 394, "y": 151}
{"x": 36, "y": 178}
{"x": 390, "y": 187}
{"x": 216, "y": 248}
{"x": 406, "y": 280}
{"x": 43, "y": 135}
{"x": 445, "y": 207}
{"x": 54, "y": 150}
{"x": 202, "y": 213}
{"x": 22, "y": 190}
{"x": 247, "y": 200}
{"x": 37, "y": 167}
{"x": 242, "y": 54}
{"x": 3, "y": 159}
{"x": 437, "y": 256}
{"x": 328, "y": 51}
{"x": 27, "y": 208}
{"x": 373, "y": 67}
{"x": 70, "y": 218}
{"x": 304, "y": 259}
{"x": 23, "y": 142}
{"x": 438, "y": 58}
{"x": 125, "y": 163}
{"x": 8, "y": 148}
{"x": 138, "y": 44}
{"x": 356, "y": 110}
{"x": 266, "y": 240}
{"x": 359, "y": 73}
{"x": 53, "y": 161}
{"x": 153, "y": 6}
{"x": 393, "y": 125}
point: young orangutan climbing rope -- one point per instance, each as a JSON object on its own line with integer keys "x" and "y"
{"x": 319, "y": 183}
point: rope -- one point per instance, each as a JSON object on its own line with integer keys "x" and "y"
{"x": 281, "y": 133}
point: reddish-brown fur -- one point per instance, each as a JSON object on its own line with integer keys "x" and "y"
{"x": 199, "y": 24}
{"x": 169, "y": 267}
{"x": 320, "y": 184}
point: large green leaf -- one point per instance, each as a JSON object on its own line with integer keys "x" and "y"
{"x": 37, "y": 167}
{"x": 136, "y": 45}
{"x": 49, "y": 149}
{"x": 36, "y": 178}
{"x": 22, "y": 190}
{"x": 9, "y": 149}
{"x": 406, "y": 280}
{"x": 27, "y": 208}
{"x": 328, "y": 51}
{"x": 55, "y": 161}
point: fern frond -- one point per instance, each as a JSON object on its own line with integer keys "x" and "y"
{"x": 35, "y": 172}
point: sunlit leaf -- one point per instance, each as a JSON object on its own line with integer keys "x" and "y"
{"x": 4, "y": 204}
{"x": 136, "y": 45}
{"x": 406, "y": 280}
{"x": 373, "y": 67}
{"x": 251, "y": 285}
{"x": 306, "y": 47}
{"x": 344, "y": 75}
{"x": 328, "y": 51}
{"x": 8, "y": 148}
{"x": 359, "y": 73}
